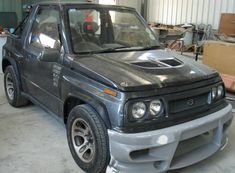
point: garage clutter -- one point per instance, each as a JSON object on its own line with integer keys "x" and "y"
{"x": 8, "y": 22}
{"x": 220, "y": 54}
{"x": 217, "y": 47}
{"x": 191, "y": 38}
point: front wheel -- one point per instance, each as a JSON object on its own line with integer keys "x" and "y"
{"x": 88, "y": 139}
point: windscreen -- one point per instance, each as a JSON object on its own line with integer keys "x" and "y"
{"x": 98, "y": 30}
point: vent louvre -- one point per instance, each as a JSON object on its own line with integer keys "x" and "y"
{"x": 148, "y": 64}
{"x": 162, "y": 63}
{"x": 171, "y": 62}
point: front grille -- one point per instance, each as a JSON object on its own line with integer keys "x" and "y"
{"x": 176, "y": 106}
{"x": 178, "y": 109}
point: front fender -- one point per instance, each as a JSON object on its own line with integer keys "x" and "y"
{"x": 77, "y": 88}
{"x": 99, "y": 107}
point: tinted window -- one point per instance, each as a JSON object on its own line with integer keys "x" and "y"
{"x": 45, "y": 32}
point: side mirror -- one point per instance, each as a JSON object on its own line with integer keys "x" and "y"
{"x": 49, "y": 55}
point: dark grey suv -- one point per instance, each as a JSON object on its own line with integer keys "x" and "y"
{"x": 129, "y": 106}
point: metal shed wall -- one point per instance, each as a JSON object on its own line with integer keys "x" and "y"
{"x": 174, "y": 12}
{"x": 131, "y": 3}
{"x": 34, "y": 1}
{"x": 11, "y": 6}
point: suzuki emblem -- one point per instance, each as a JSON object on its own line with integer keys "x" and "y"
{"x": 190, "y": 102}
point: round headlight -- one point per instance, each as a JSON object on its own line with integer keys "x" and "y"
{"x": 220, "y": 91}
{"x": 213, "y": 93}
{"x": 138, "y": 110}
{"x": 155, "y": 107}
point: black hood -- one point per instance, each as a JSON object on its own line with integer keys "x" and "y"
{"x": 141, "y": 70}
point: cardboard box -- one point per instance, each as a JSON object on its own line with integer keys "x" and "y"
{"x": 220, "y": 56}
{"x": 227, "y": 24}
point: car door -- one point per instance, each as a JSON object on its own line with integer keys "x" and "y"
{"x": 41, "y": 79}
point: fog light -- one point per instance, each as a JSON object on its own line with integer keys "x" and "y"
{"x": 163, "y": 140}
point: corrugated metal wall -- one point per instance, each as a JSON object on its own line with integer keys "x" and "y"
{"x": 11, "y": 6}
{"x": 34, "y": 1}
{"x": 131, "y": 3}
{"x": 29, "y": 2}
{"x": 175, "y": 12}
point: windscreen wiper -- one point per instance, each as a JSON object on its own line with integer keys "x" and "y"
{"x": 151, "y": 47}
{"x": 109, "y": 50}
{"x": 121, "y": 48}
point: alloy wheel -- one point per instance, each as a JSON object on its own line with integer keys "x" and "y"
{"x": 83, "y": 140}
{"x": 10, "y": 86}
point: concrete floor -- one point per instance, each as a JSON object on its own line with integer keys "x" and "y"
{"x": 31, "y": 141}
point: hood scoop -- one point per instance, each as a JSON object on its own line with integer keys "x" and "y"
{"x": 160, "y": 63}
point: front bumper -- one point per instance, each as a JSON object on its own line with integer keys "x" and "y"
{"x": 169, "y": 148}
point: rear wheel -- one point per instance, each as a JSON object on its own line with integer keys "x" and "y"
{"x": 12, "y": 88}
{"x": 88, "y": 139}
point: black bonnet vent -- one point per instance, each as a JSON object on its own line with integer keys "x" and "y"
{"x": 171, "y": 62}
{"x": 161, "y": 63}
{"x": 148, "y": 64}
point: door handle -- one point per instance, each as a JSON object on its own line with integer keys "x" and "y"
{"x": 20, "y": 58}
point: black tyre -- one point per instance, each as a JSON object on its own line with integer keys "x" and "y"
{"x": 12, "y": 88}
{"x": 88, "y": 139}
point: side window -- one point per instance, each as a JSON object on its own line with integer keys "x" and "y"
{"x": 45, "y": 31}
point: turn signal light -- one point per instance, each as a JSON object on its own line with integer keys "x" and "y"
{"x": 110, "y": 92}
